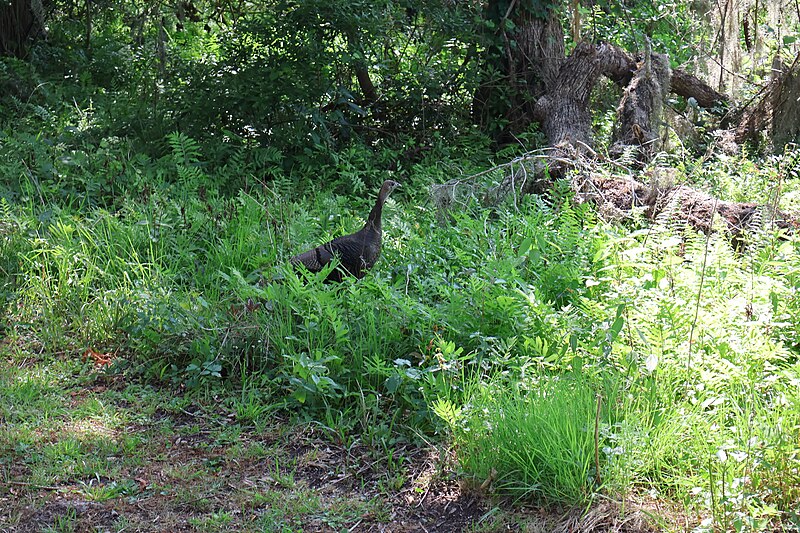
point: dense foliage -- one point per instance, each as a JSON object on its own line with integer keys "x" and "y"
{"x": 155, "y": 179}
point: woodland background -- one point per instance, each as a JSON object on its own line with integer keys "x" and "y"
{"x": 586, "y": 314}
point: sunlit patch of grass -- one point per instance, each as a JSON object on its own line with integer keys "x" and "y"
{"x": 134, "y": 446}
{"x": 63, "y": 438}
{"x": 90, "y": 429}
{"x": 28, "y": 393}
{"x": 217, "y": 521}
{"x": 100, "y": 492}
{"x": 187, "y": 471}
{"x": 96, "y": 407}
{"x": 533, "y": 441}
{"x": 251, "y": 450}
{"x": 73, "y": 457}
{"x": 342, "y": 512}
{"x": 285, "y": 508}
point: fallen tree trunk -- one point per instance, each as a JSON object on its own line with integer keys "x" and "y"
{"x": 689, "y": 86}
{"x": 618, "y": 197}
{"x": 566, "y": 121}
{"x": 668, "y": 203}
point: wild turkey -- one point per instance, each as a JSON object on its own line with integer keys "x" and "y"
{"x": 356, "y": 252}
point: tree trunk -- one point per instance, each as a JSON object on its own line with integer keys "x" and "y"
{"x": 776, "y": 112}
{"x": 564, "y": 112}
{"x": 366, "y": 85}
{"x": 786, "y": 116}
{"x": 689, "y": 86}
{"x": 640, "y": 113}
{"x": 522, "y": 66}
{"x": 87, "y": 35}
{"x": 368, "y": 91}
{"x": 539, "y": 52}
{"x": 19, "y": 21}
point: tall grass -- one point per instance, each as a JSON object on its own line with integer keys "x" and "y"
{"x": 515, "y": 319}
{"x": 690, "y": 420}
{"x": 533, "y": 440}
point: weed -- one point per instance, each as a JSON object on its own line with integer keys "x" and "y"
{"x": 100, "y": 492}
{"x": 66, "y": 523}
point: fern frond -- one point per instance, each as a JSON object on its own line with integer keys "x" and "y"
{"x": 189, "y": 176}
{"x": 185, "y": 150}
{"x": 790, "y": 164}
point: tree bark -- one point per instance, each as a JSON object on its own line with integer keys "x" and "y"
{"x": 366, "y": 85}
{"x": 19, "y": 21}
{"x": 776, "y": 112}
{"x": 689, "y": 86}
{"x": 524, "y": 64}
{"x": 640, "y": 113}
{"x": 786, "y": 116}
{"x": 564, "y": 112}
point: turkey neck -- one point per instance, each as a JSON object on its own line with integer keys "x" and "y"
{"x": 374, "y": 219}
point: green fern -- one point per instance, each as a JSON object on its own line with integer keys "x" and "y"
{"x": 185, "y": 150}
{"x": 186, "y": 158}
{"x": 790, "y": 163}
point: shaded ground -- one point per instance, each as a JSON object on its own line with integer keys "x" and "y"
{"x": 87, "y": 452}
{"x": 235, "y": 494}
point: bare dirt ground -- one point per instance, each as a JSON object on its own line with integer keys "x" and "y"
{"x": 188, "y": 484}
{"x": 136, "y": 463}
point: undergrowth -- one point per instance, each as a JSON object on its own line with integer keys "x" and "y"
{"x": 564, "y": 356}
{"x": 149, "y": 203}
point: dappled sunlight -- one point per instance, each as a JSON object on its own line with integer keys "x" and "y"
{"x": 88, "y": 430}
{"x": 584, "y": 295}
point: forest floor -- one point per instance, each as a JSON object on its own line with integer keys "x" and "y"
{"x": 82, "y": 450}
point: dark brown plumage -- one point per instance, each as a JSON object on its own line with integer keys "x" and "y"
{"x": 356, "y": 252}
